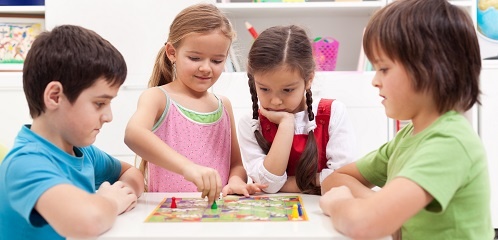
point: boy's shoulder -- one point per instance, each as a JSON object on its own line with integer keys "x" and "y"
{"x": 31, "y": 146}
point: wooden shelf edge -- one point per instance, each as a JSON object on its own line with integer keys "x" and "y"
{"x": 37, "y": 10}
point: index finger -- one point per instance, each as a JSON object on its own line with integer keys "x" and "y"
{"x": 215, "y": 188}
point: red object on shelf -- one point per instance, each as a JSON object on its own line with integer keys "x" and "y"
{"x": 251, "y": 30}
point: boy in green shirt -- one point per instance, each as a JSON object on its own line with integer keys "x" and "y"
{"x": 433, "y": 174}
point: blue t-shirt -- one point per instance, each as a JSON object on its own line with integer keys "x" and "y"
{"x": 33, "y": 166}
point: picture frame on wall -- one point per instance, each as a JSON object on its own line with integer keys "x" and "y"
{"x": 17, "y": 34}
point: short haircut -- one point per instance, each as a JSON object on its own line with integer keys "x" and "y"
{"x": 74, "y": 56}
{"x": 436, "y": 43}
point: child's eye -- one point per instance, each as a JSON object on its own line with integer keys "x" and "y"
{"x": 100, "y": 104}
{"x": 383, "y": 70}
{"x": 194, "y": 58}
{"x": 264, "y": 89}
{"x": 288, "y": 90}
{"x": 217, "y": 61}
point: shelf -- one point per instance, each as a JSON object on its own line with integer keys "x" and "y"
{"x": 38, "y": 10}
{"x": 490, "y": 64}
{"x": 462, "y": 3}
{"x": 305, "y": 9}
{"x": 249, "y": 9}
{"x": 10, "y": 80}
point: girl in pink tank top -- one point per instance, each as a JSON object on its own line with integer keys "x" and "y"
{"x": 185, "y": 134}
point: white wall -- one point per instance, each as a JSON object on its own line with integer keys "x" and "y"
{"x": 138, "y": 29}
{"x": 13, "y": 107}
{"x": 488, "y": 129}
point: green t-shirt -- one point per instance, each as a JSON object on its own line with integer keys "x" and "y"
{"x": 447, "y": 160}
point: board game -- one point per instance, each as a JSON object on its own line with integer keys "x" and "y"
{"x": 230, "y": 209}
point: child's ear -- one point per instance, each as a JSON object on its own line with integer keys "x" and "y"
{"x": 310, "y": 81}
{"x": 170, "y": 52}
{"x": 52, "y": 95}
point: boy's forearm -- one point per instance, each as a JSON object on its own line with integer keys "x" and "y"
{"x": 134, "y": 179}
{"x": 337, "y": 179}
{"x": 95, "y": 213}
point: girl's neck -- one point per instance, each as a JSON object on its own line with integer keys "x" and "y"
{"x": 196, "y": 101}
{"x": 178, "y": 88}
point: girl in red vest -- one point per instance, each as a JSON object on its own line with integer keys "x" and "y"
{"x": 289, "y": 143}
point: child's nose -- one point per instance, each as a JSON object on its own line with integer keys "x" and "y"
{"x": 204, "y": 66}
{"x": 276, "y": 100}
{"x": 375, "y": 81}
{"x": 107, "y": 116}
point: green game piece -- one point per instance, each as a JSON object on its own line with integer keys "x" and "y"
{"x": 214, "y": 206}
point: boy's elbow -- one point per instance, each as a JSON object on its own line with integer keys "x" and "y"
{"x": 359, "y": 226}
{"x": 87, "y": 226}
{"x": 355, "y": 229}
{"x": 133, "y": 178}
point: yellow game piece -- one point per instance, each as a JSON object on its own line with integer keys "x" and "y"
{"x": 295, "y": 213}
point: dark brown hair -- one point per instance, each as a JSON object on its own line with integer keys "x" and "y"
{"x": 74, "y": 56}
{"x": 289, "y": 47}
{"x": 199, "y": 18}
{"x": 436, "y": 43}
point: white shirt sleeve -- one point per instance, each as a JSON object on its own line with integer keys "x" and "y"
{"x": 341, "y": 147}
{"x": 253, "y": 156}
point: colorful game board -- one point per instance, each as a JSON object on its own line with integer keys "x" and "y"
{"x": 229, "y": 209}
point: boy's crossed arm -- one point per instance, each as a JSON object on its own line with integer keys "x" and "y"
{"x": 73, "y": 212}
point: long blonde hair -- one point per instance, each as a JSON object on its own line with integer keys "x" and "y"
{"x": 199, "y": 18}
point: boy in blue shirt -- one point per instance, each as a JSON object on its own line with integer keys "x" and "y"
{"x": 48, "y": 180}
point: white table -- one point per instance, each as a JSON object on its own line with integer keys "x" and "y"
{"x": 131, "y": 225}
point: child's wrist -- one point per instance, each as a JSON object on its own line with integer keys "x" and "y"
{"x": 235, "y": 178}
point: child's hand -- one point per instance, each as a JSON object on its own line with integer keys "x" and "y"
{"x": 332, "y": 196}
{"x": 207, "y": 180}
{"x": 237, "y": 186}
{"x": 277, "y": 117}
{"x": 120, "y": 193}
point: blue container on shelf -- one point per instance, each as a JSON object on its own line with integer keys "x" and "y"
{"x": 22, "y": 2}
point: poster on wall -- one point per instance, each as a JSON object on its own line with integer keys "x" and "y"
{"x": 16, "y": 37}
{"x": 487, "y": 28}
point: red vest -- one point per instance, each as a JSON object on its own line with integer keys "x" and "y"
{"x": 322, "y": 118}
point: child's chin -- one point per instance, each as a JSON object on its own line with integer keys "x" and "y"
{"x": 86, "y": 143}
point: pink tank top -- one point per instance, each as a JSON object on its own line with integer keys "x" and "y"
{"x": 206, "y": 144}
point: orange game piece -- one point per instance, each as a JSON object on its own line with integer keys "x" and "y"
{"x": 173, "y": 202}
